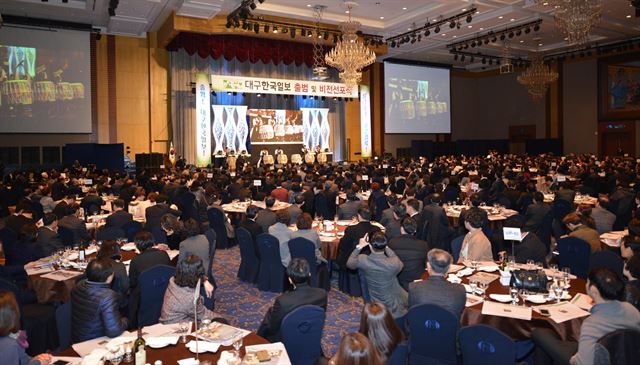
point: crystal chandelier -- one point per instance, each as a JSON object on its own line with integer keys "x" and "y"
{"x": 507, "y": 66}
{"x": 319, "y": 69}
{"x": 537, "y": 77}
{"x": 576, "y": 18}
{"x": 350, "y": 55}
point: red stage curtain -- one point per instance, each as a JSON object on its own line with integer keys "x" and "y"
{"x": 244, "y": 48}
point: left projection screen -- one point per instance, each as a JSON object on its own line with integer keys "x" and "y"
{"x": 45, "y": 81}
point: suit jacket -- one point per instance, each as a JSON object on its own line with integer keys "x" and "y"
{"x": 197, "y": 245}
{"x": 436, "y": 290}
{"x": 15, "y": 223}
{"x": 92, "y": 204}
{"x": 349, "y": 209}
{"x": 266, "y": 218}
{"x": 566, "y": 195}
{"x": 149, "y": 258}
{"x": 309, "y": 199}
{"x": 294, "y": 213}
{"x": 75, "y": 225}
{"x": 604, "y": 219}
{"x": 350, "y": 239}
{"x": 437, "y": 233}
{"x": 386, "y": 216}
{"x": 535, "y": 216}
{"x": 303, "y": 294}
{"x": 118, "y": 219}
{"x": 154, "y": 213}
{"x": 588, "y": 235}
{"x": 392, "y": 228}
{"x": 48, "y": 241}
{"x": 413, "y": 254}
{"x": 477, "y": 247}
{"x": 60, "y": 209}
{"x": 530, "y": 248}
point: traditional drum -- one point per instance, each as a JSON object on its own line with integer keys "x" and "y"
{"x": 78, "y": 90}
{"x": 442, "y": 107}
{"x": 407, "y": 109}
{"x": 309, "y": 157}
{"x": 279, "y": 132}
{"x": 64, "y": 91}
{"x": 231, "y": 161}
{"x": 421, "y": 109}
{"x": 18, "y": 92}
{"x": 45, "y": 91}
{"x": 267, "y": 159}
{"x": 432, "y": 108}
{"x": 322, "y": 157}
{"x": 296, "y": 159}
{"x": 266, "y": 132}
{"x": 282, "y": 159}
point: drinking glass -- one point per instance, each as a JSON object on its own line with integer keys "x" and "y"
{"x": 473, "y": 284}
{"x": 474, "y": 264}
{"x": 523, "y": 294}
{"x": 539, "y": 265}
{"x": 237, "y": 344}
{"x": 558, "y": 291}
{"x": 184, "y": 328}
{"x": 115, "y": 355}
{"x": 483, "y": 285}
{"x": 514, "y": 295}
{"x": 566, "y": 272}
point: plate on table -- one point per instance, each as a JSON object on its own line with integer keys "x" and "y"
{"x": 502, "y": 298}
{"x": 537, "y": 298}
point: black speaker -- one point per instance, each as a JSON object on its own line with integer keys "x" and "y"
{"x": 150, "y": 162}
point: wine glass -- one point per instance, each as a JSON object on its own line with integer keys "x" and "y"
{"x": 474, "y": 264}
{"x": 558, "y": 291}
{"x": 523, "y": 294}
{"x": 530, "y": 264}
{"x": 473, "y": 284}
{"x": 237, "y": 344}
{"x": 115, "y": 355}
{"x": 483, "y": 286}
{"x": 566, "y": 272}
{"x": 554, "y": 268}
{"x": 539, "y": 265}
{"x": 183, "y": 329}
{"x": 514, "y": 295}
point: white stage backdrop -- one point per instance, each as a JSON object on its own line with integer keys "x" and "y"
{"x": 315, "y": 127}
{"x": 229, "y": 127}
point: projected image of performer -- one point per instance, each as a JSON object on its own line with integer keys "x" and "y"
{"x": 22, "y": 62}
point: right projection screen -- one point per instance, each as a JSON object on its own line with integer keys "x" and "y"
{"x": 417, "y": 99}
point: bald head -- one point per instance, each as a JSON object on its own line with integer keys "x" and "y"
{"x": 438, "y": 262}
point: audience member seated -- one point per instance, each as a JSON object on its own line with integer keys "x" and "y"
{"x": 174, "y": 230}
{"x": 631, "y": 272}
{"x": 12, "y": 341}
{"x": 380, "y": 270}
{"x": 393, "y": 227}
{"x": 16, "y": 221}
{"x": 411, "y": 251}
{"x": 119, "y": 217}
{"x": 195, "y": 243}
{"x": 302, "y": 294}
{"x": 353, "y": 234}
{"x": 154, "y": 213}
{"x": 475, "y": 245}
{"x": 356, "y": 349}
{"x": 266, "y": 217}
{"x": 110, "y": 251}
{"x": 94, "y": 305}
{"x": 177, "y": 305}
{"x": 281, "y": 231}
{"x": 61, "y": 208}
{"x": 578, "y": 228}
{"x": 91, "y": 203}
{"x": 305, "y": 230}
{"x": 138, "y": 207}
{"x": 349, "y": 209}
{"x": 387, "y": 215}
{"x": 607, "y": 315}
{"x": 48, "y": 240}
{"x": 74, "y": 224}
{"x": 381, "y": 329}
{"x": 536, "y": 213}
{"x": 149, "y": 257}
{"x": 250, "y": 224}
{"x": 630, "y": 246}
{"x": 603, "y": 218}
{"x": 529, "y": 248}
{"x": 436, "y": 289}
{"x": 294, "y": 210}
{"x": 26, "y": 249}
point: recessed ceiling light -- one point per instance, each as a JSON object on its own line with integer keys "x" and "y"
{"x": 409, "y": 29}
{"x": 481, "y": 28}
{"x": 628, "y": 16}
{"x": 381, "y": 17}
{"x": 464, "y": 9}
{"x": 444, "y": 34}
{"x": 478, "y": 12}
{"x": 521, "y": 41}
{"x": 512, "y": 20}
{"x": 404, "y": 8}
{"x": 308, "y": 5}
{"x": 469, "y": 26}
{"x": 346, "y": 11}
{"x": 500, "y": 17}
{"x": 539, "y": 44}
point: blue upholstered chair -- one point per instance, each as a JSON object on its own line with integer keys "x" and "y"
{"x": 433, "y": 335}
{"x": 303, "y": 248}
{"x": 574, "y": 253}
{"x": 302, "y": 332}
{"x": 249, "y": 265}
{"x": 482, "y": 344}
{"x": 153, "y": 283}
{"x": 271, "y": 275}
{"x": 217, "y": 222}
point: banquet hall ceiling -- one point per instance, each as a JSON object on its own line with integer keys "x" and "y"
{"x": 380, "y": 17}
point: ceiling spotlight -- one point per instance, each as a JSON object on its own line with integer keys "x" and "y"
{"x": 326, "y": 36}
{"x": 494, "y": 39}
{"x": 285, "y": 30}
{"x": 472, "y": 59}
{"x": 502, "y": 37}
{"x": 511, "y": 34}
{"x": 519, "y": 32}
{"x": 427, "y": 32}
{"x": 459, "y": 25}
{"x": 452, "y": 24}
{"x": 469, "y": 18}
{"x": 486, "y": 41}
{"x": 228, "y": 25}
{"x": 275, "y": 29}
{"x": 413, "y": 40}
{"x": 292, "y": 32}
{"x": 473, "y": 44}
{"x": 437, "y": 30}
{"x": 462, "y": 58}
{"x": 455, "y": 57}
{"x": 536, "y": 27}
{"x": 303, "y": 32}
{"x": 393, "y": 44}
{"x": 484, "y": 61}
{"x": 266, "y": 28}
{"x": 527, "y": 30}
{"x": 252, "y": 6}
{"x": 335, "y": 38}
{"x": 490, "y": 62}
{"x": 256, "y": 28}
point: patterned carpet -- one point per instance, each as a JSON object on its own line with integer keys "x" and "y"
{"x": 245, "y": 305}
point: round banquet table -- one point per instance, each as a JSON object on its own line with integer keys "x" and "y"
{"x": 171, "y": 354}
{"x": 519, "y": 329}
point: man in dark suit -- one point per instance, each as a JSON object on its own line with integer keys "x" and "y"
{"x": 302, "y": 294}
{"x": 23, "y": 216}
{"x": 266, "y": 217}
{"x": 536, "y": 213}
{"x": 438, "y": 232}
{"x": 74, "y": 224}
{"x": 436, "y": 289}
{"x": 412, "y": 211}
{"x": 353, "y": 234}
{"x": 60, "y": 209}
{"x": 295, "y": 210}
{"x": 309, "y": 198}
{"x": 119, "y": 217}
{"x": 48, "y": 240}
{"x": 387, "y": 214}
{"x": 411, "y": 251}
{"x": 250, "y": 224}
{"x": 565, "y": 193}
{"x": 92, "y": 203}
{"x": 393, "y": 228}
{"x": 154, "y": 213}
{"x": 349, "y": 209}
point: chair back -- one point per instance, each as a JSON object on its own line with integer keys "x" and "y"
{"x": 621, "y": 347}
{"x": 211, "y": 238}
{"x": 271, "y": 275}
{"x": 9, "y": 285}
{"x": 456, "y": 246}
{"x": 303, "y": 248}
{"x": 561, "y": 208}
{"x": 482, "y": 344}
{"x": 364, "y": 288}
{"x": 302, "y": 332}
{"x": 159, "y": 235}
{"x": 400, "y": 355}
{"x": 110, "y": 233}
{"x": 608, "y": 259}
{"x": 544, "y": 231}
{"x": 66, "y": 236}
{"x": 433, "y": 335}
{"x": 63, "y": 323}
{"x": 574, "y": 253}
{"x": 153, "y": 283}
{"x": 217, "y": 222}
{"x": 381, "y": 204}
{"x": 131, "y": 229}
{"x": 249, "y": 265}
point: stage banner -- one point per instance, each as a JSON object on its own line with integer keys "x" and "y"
{"x": 203, "y": 120}
{"x": 230, "y": 128}
{"x": 365, "y": 121}
{"x": 315, "y": 128}
{"x": 260, "y": 85}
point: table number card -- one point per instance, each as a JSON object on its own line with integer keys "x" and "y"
{"x": 512, "y": 234}
{"x": 257, "y": 182}
{"x": 365, "y": 177}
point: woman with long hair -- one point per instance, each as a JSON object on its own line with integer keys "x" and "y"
{"x": 378, "y": 325}
{"x": 11, "y": 349}
{"x": 356, "y": 349}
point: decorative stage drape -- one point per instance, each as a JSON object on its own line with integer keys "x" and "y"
{"x": 184, "y": 67}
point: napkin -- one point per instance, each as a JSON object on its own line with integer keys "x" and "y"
{"x": 473, "y": 300}
{"x": 536, "y": 298}
{"x": 129, "y": 247}
{"x": 225, "y": 356}
{"x": 158, "y": 342}
{"x": 189, "y": 361}
{"x": 203, "y": 346}
{"x": 489, "y": 268}
{"x": 465, "y": 272}
{"x": 506, "y": 310}
{"x": 504, "y": 298}
{"x": 94, "y": 357}
{"x": 452, "y": 278}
